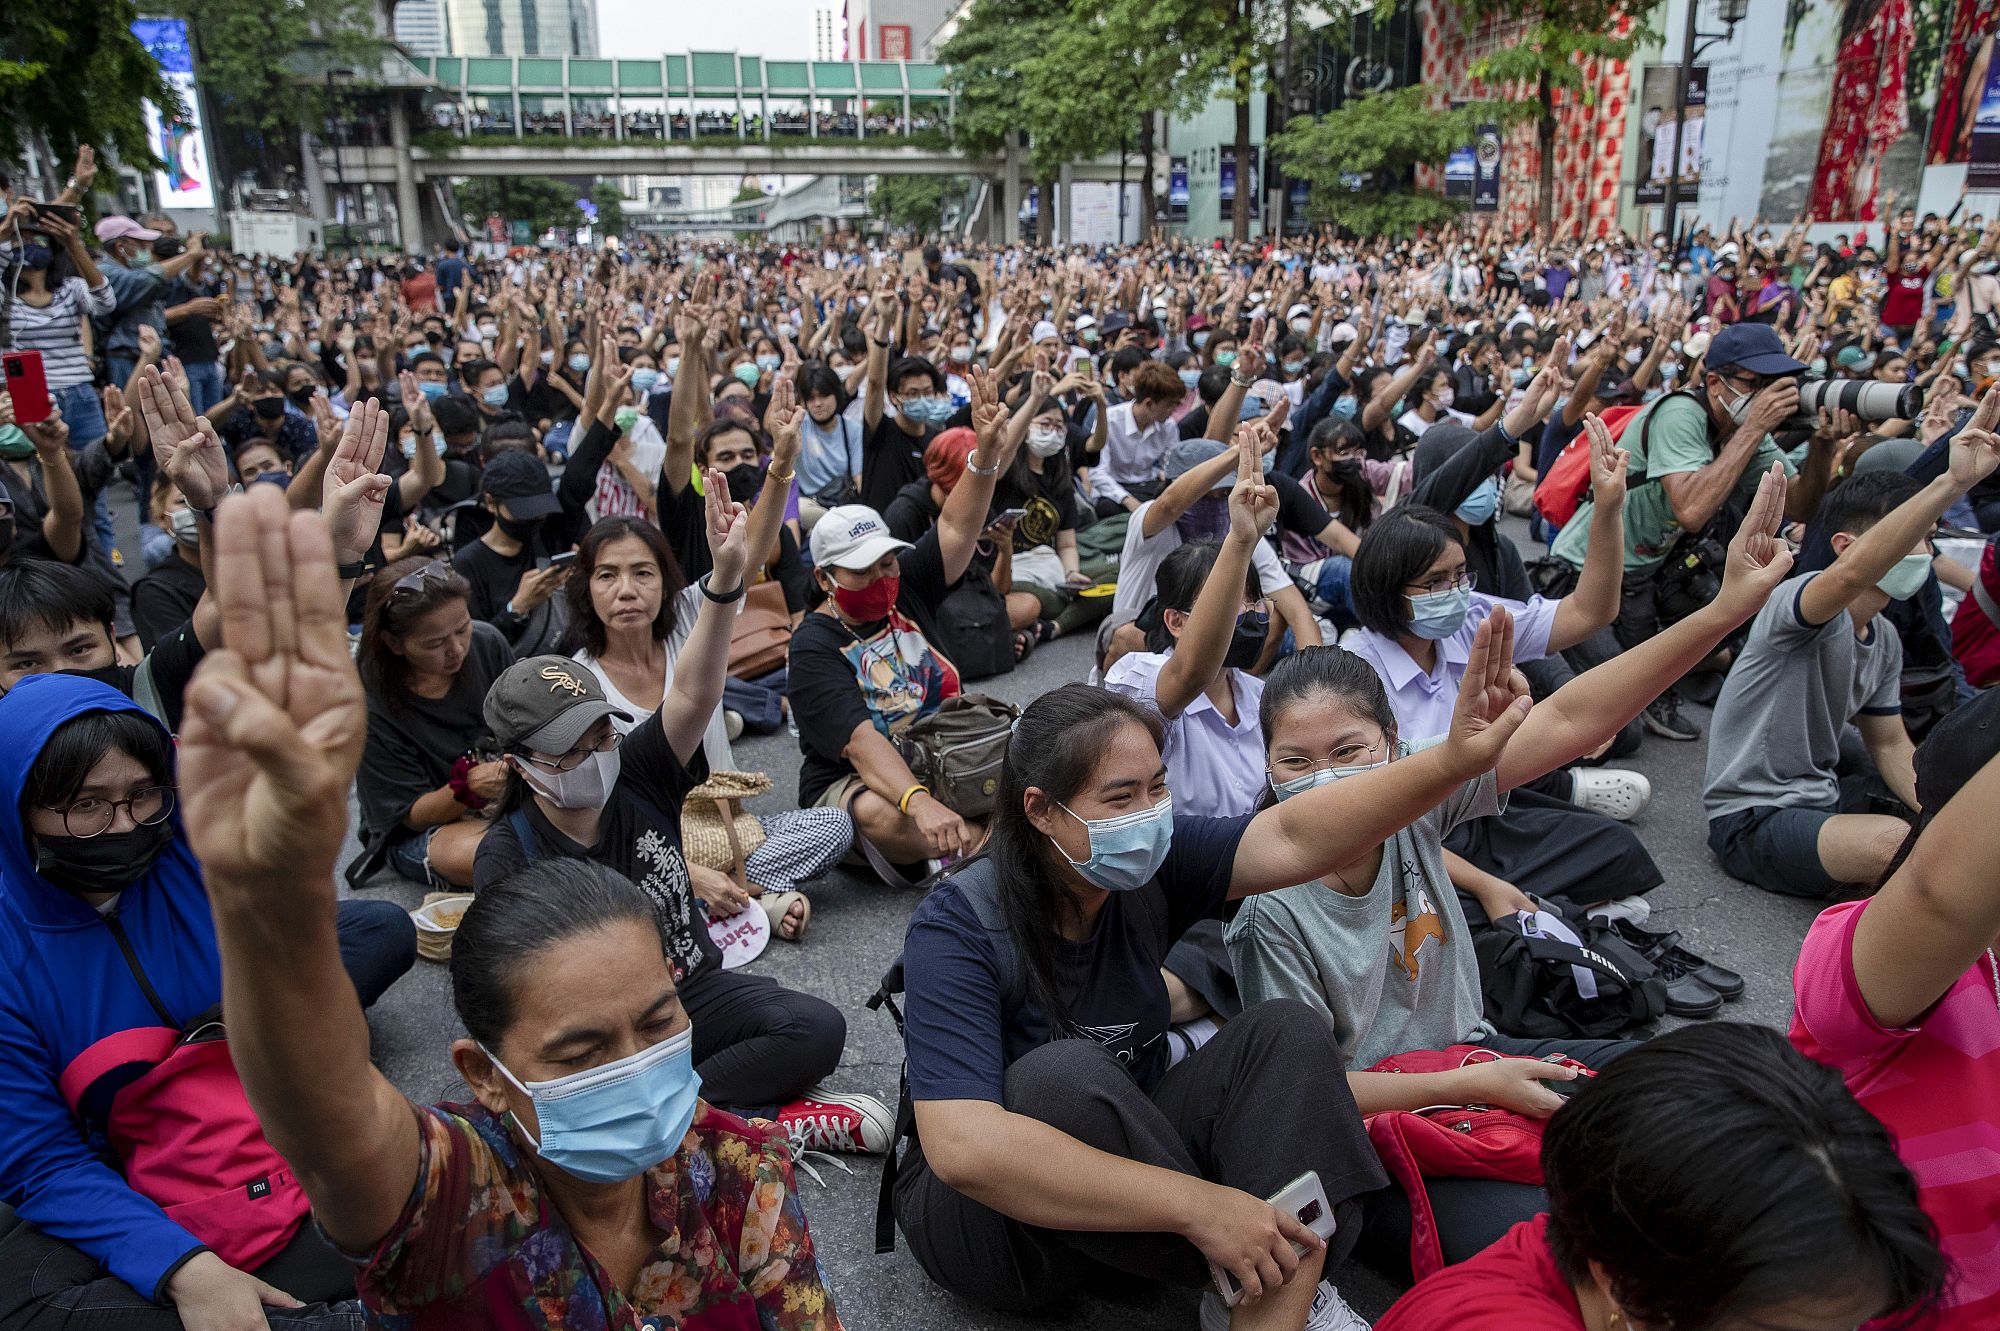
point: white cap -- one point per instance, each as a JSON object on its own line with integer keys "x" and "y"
{"x": 1414, "y": 319}
{"x": 1043, "y": 331}
{"x": 1084, "y": 321}
{"x": 1343, "y": 332}
{"x": 1297, "y": 310}
{"x": 1695, "y": 349}
{"x": 852, "y": 536}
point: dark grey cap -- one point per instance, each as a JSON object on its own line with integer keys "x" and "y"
{"x": 545, "y": 703}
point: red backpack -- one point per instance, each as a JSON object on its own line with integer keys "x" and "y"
{"x": 1452, "y": 1141}
{"x": 1562, "y": 487}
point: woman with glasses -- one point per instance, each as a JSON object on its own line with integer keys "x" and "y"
{"x": 108, "y": 958}
{"x": 1379, "y": 946}
{"x": 577, "y": 785}
{"x": 1416, "y": 598}
{"x": 427, "y": 774}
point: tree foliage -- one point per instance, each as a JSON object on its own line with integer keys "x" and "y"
{"x": 984, "y": 58}
{"x": 911, "y": 203}
{"x": 71, "y": 73}
{"x": 540, "y": 201}
{"x": 1358, "y": 160}
{"x": 610, "y": 203}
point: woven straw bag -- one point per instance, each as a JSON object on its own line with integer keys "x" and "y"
{"x": 716, "y": 831}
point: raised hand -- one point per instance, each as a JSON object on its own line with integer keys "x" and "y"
{"x": 783, "y": 420}
{"x": 351, "y": 496}
{"x": 276, "y": 718}
{"x": 1975, "y": 452}
{"x": 1757, "y": 561}
{"x": 988, "y": 416}
{"x": 727, "y": 528}
{"x": 1607, "y": 464}
{"x": 1253, "y": 502}
{"x": 1493, "y": 698}
{"x": 185, "y": 446}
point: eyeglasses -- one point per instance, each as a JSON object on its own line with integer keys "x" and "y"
{"x": 577, "y": 756}
{"x": 1463, "y": 580}
{"x": 1260, "y": 606}
{"x": 1347, "y": 755}
{"x": 91, "y": 816}
{"x": 415, "y": 583}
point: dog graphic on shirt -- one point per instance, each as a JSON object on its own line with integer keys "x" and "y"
{"x": 1407, "y": 936}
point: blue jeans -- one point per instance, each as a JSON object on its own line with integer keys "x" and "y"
{"x": 205, "y": 387}
{"x": 119, "y": 365}
{"x": 378, "y": 944}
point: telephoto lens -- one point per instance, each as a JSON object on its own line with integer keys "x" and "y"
{"x": 1865, "y": 398}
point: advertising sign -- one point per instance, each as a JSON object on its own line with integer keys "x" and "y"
{"x": 1486, "y": 170}
{"x": 1225, "y": 181}
{"x": 185, "y": 182}
{"x": 1177, "y": 189}
{"x": 1656, "y": 133}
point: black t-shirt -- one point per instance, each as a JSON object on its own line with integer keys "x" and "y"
{"x": 1049, "y": 495}
{"x": 193, "y": 338}
{"x": 163, "y": 600}
{"x": 890, "y": 460}
{"x": 965, "y": 1027}
{"x": 840, "y": 677}
{"x": 413, "y": 743}
{"x": 684, "y": 519}
{"x": 1298, "y": 511}
{"x": 159, "y": 682}
{"x": 1195, "y": 424}
{"x": 913, "y": 511}
{"x": 639, "y": 836}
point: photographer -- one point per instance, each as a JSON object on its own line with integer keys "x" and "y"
{"x": 1696, "y": 456}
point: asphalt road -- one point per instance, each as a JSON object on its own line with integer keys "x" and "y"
{"x": 857, "y": 931}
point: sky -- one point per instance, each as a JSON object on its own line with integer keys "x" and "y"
{"x": 782, "y": 29}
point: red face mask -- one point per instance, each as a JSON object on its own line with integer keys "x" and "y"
{"x": 868, "y": 603}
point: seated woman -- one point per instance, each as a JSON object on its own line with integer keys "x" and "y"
{"x": 862, "y": 666}
{"x": 107, "y": 956}
{"x": 1414, "y": 598}
{"x": 1711, "y": 1178}
{"x": 1052, "y": 1137}
{"x": 1896, "y": 993}
{"x": 425, "y": 781}
{"x": 1047, "y": 572}
{"x": 589, "y": 1177}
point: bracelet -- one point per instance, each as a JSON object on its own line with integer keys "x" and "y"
{"x": 993, "y": 470}
{"x": 903, "y": 804}
{"x": 718, "y": 597}
{"x": 1241, "y": 383}
{"x": 785, "y": 479}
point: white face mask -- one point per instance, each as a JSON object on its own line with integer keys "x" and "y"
{"x": 585, "y": 786}
{"x": 1046, "y": 442}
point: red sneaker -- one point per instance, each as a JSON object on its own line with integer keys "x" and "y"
{"x": 823, "y": 1120}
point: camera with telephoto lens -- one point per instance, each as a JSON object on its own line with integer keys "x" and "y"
{"x": 1867, "y": 399}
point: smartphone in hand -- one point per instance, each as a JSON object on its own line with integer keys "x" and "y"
{"x": 27, "y": 384}
{"x": 1305, "y": 1198}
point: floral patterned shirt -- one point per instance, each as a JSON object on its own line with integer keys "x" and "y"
{"x": 480, "y": 1245}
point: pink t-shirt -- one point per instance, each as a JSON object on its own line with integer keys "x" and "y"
{"x": 1935, "y": 1085}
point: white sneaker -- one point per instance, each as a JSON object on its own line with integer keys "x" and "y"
{"x": 1611, "y": 791}
{"x": 732, "y": 723}
{"x": 1632, "y": 910}
{"x": 1329, "y": 1312}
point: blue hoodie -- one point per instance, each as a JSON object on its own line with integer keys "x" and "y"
{"x": 65, "y": 987}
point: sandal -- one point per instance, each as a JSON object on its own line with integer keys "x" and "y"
{"x": 778, "y": 905}
{"x": 1024, "y": 644}
{"x": 1047, "y": 630}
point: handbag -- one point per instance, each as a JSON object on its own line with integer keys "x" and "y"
{"x": 761, "y": 639}
{"x": 1539, "y": 987}
{"x": 716, "y": 831}
{"x": 958, "y": 750}
{"x": 1452, "y": 1141}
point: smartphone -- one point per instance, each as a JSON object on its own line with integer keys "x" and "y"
{"x": 1008, "y": 515}
{"x": 1305, "y": 1198}
{"x": 563, "y": 560}
{"x": 62, "y": 212}
{"x": 27, "y": 385}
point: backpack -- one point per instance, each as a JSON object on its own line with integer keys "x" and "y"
{"x": 1560, "y": 492}
{"x": 1536, "y": 987}
{"x": 1452, "y": 1141}
{"x": 971, "y": 626}
{"x": 979, "y": 883}
{"x": 957, "y": 751}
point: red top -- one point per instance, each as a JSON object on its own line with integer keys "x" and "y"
{"x": 1975, "y": 638}
{"x": 1512, "y": 1286}
{"x": 1904, "y": 304}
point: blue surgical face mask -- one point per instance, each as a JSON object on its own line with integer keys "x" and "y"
{"x": 612, "y": 1123}
{"x": 1189, "y": 378}
{"x": 1252, "y": 407}
{"x": 495, "y": 396}
{"x": 1345, "y": 406}
{"x": 1319, "y": 776}
{"x": 930, "y": 410}
{"x": 767, "y": 362}
{"x": 1521, "y": 376}
{"x": 1438, "y": 615}
{"x": 1292, "y": 367}
{"x": 1480, "y": 506}
{"x": 1200, "y": 338}
{"x": 643, "y": 379}
{"x": 673, "y": 366}
{"x": 579, "y": 364}
{"x": 1126, "y": 851}
{"x": 409, "y": 446}
{"x": 432, "y": 391}
{"x": 1905, "y": 577}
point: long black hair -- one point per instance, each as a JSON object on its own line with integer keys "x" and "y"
{"x": 1356, "y": 498}
{"x": 532, "y": 909}
{"x": 1054, "y": 749}
{"x": 1394, "y": 552}
{"x": 1182, "y": 575}
{"x": 1715, "y": 1173}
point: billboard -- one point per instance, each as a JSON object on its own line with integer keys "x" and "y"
{"x": 1177, "y": 188}
{"x": 892, "y": 41}
{"x": 1486, "y": 170}
{"x": 1226, "y": 183}
{"x": 1656, "y": 133}
{"x": 1983, "y": 149}
{"x": 185, "y": 181}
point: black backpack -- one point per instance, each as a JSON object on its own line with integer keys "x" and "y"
{"x": 971, "y": 626}
{"x": 1531, "y": 992}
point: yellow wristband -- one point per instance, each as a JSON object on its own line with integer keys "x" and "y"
{"x": 903, "y": 804}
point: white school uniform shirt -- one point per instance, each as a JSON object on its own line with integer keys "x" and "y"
{"x": 1130, "y": 453}
{"x": 1423, "y": 702}
{"x": 1214, "y": 769}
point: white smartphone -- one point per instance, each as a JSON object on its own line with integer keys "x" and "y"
{"x": 1304, "y": 1198}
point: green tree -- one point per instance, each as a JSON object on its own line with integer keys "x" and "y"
{"x": 71, "y": 73}
{"x": 539, "y": 201}
{"x": 1557, "y": 36}
{"x": 911, "y": 203}
{"x": 985, "y": 57}
{"x": 1358, "y": 159}
{"x": 610, "y": 203}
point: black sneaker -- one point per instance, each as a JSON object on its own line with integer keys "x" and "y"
{"x": 1662, "y": 717}
{"x": 1686, "y": 995}
{"x": 1660, "y": 947}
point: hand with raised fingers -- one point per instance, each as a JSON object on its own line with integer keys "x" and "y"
{"x": 186, "y": 449}
{"x": 1757, "y": 560}
{"x": 1493, "y": 699}
{"x": 1607, "y": 464}
{"x": 352, "y": 495}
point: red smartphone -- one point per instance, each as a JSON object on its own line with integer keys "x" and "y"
{"x": 27, "y": 385}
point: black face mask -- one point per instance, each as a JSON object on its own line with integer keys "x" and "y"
{"x": 1347, "y": 473}
{"x": 269, "y": 408}
{"x": 110, "y": 862}
{"x": 167, "y": 247}
{"x": 519, "y": 529}
{"x": 745, "y": 479}
{"x": 1247, "y": 643}
{"x": 303, "y": 396}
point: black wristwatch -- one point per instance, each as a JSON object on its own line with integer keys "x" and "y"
{"x": 716, "y": 597}
{"x": 348, "y": 572}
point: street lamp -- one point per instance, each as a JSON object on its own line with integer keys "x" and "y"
{"x": 1731, "y": 13}
{"x": 333, "y": 131}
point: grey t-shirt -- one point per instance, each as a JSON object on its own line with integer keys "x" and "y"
{"x": 1393, "y": 969}
{"x": 1776, "y": 734}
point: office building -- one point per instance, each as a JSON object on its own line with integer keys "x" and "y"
{"x": 520, "y": 27}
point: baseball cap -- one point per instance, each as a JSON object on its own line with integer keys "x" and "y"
{"x": 1043, "y": 332}
{"x": 1437, "y": 446}
{"x": 852, "y": 536}
{"x": 1754, "y": 348}
{"x": 1343, "y": 332}
{"x": 122, "y": 228}
{"x": 1890, "y": 455}
{"x": 1298, "y": 311}
{"x": 520, "y": 481}
{"x": 1955, "y": 750}
{"x": 1183, "y": 458}
{"x": 1084, "y": 321}
{"x": 1116, "y": 321}
{"x": 546, "y": 703}
{"x": 1854, "y": 358}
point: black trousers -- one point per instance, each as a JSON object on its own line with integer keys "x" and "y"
{"x": 1262, "y": 1102}
{"x": 47, "y": 1285}
{"x": 1547, "y": 846}
{"x": 758, "y": 1044}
